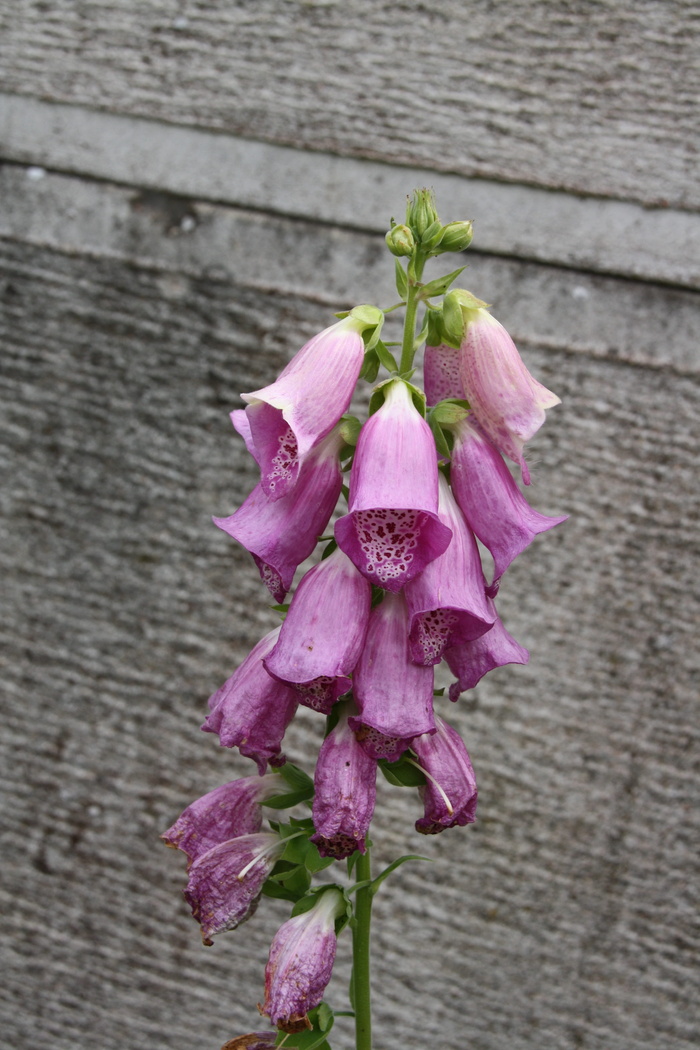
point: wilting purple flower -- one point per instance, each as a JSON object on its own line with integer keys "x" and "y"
{"x": 470, "y": 661}
{"x": 225, "y": 883}
{"x": 304, "y": 403}
{"x": 392, "y": 530}
{"x": 323, "y": 633}
{"x": 252, "y": 710}
{"x": 449, "y": 793}
{"x": 252, "y": 1041}
{"x": 301, "y": 962}
{"x": 345, "y": 793}
{"x": 441, "y": 373}
{"x": 226, "y": 812}
{"x": 507, "y": 401}
{"x": 280, "y": 534}
{"x": 447, "y": 603}
{"x": 394, "y": 695}
{"x": 490, "y": 499}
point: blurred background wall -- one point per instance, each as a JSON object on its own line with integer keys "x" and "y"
{"x": 189, "y": 191}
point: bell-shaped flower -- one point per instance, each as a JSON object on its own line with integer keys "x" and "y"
{"x": 226, "y": 812}
{"x": 392, "y": 530}
{"x": 394, "y": 695}
{"x": 449, "y": 794}
{"x": 252, "y": 710}
{"x": 225, "y": 883}
{"x": 344, "y": 793}
{"x": 304, "y": 403}
{"x": 323, "y": 633}
{"x": 447, "y": 603}
{"x": 281, "y": 534}
{"x": 506, "y": 400}
{"x": 301, "y": 962}
{"x": 441, "y": 377}
{"x": 241, "y": 424}
{"x": 470, "y": 661}
{"x": 490, "y": 499}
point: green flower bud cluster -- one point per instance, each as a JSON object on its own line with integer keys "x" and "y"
{"x": 428, "y": 232}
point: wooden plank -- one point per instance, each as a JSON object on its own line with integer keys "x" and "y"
{"x": 592, "y": 97}
{"x": 566, "y": 917}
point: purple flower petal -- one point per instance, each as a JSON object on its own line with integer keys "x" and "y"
{"x": 281, "y": 534}
{"x": 252, "y": 710}
{"x": 301, "y": 962}
{"x": 450, "y": 792}
{"x": 304, "y": 403}
{"x": 252, "y": 1041}
{"x": 447, "y": 603}
{"x": 225, "y": 883}
{"x": 345, "y": 793}
{"x": 490, "y": 500}
{"x": 323, "y": 633}
{"x": 226, "y": 812}
{"x": 441, "y": 374}
{"x": 470, "y": 661}
{"x": 394, "y": 695}
{"x": 392, "y": 530}
{"x": 506, "y": 400}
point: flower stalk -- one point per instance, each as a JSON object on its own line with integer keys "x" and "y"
{"x": 361, "y": 975}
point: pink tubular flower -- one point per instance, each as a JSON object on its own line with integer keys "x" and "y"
{"x": 470, "y": 661}
{"x": 301, "y": 962}
{"x": 224, "y": 813}
{"x": 393, "y": 694}
{"x": 507, "y": 401}
{"x": 450, "y": 792}
{"x": 323, "y": 633}
{"x": 447, "y": 603}
{"x": 392, "y": 530}
{"x": 490, "y": 500}
{"x": 225, "y": 883}
{"x": 345, "y": 793}
{"x": 441, "y": 373}
{"x": 252, "y": 710}
{"x": 281, "y": 534}
{"x": 304, "y": 403}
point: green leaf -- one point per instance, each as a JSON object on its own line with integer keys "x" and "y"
{"x": 328, "y": 549}
{"x": 402, "y": 773}
{"x": 274, "y": 889}
{"x": 440, "y": 285}
{"x": 370, "y": 366}
{"x": 401, "y": 279}
{"x": 376, "y": 883}
{"x": 450, "y": 411}
{"x": 289, "y": 798}
{"x": 350, "y": 427}
{"x": 314, "y": 861}
{"x": 295, "y": 777}
{"x": 385, "y": 356}
{"x": 440, "y": 439}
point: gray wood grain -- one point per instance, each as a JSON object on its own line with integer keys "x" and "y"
{"x": 566, "y": 918}
{"x": 591, "y": 97}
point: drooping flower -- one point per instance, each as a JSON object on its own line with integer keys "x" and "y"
{"x": 301, "y": 962}
{"x": 394, "y": 695}
{"x": 323, "y": 633}
{"x": 252, "y": 1041}
{"x": 288, "y": 417}
{"x": 447, "y": 603}
{"x": 392, "y": 530}
{"x": 470, "y": 661}
{"x": 225, "y": 883}
{"x": 282, "y": 533}
{"x": 490, "y": 499}
{"x": 344, "y": 793}
{"x": 506, "y": 400}
{"x": 251, "y": 711}
{"x": 441, "y": 373}
{"x": 449, "y": 794}
{"x": 226, "y": 812}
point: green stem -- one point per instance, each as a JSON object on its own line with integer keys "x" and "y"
{"x": 408, "y": 348}
{"x": 361, "y": 956}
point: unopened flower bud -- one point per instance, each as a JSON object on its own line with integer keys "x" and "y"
{"x": 431, "y": 237}
{"x": 456, "y": 237}
{"x": 400, "y": 241}
{"x": 421, "y": 212}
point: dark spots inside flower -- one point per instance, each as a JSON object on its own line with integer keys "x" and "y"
{"x": 285, "y": 463}
{"x": 387, "y": 539}
{"x": 319, "y": 694}
{"x": 337, "y": 846}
